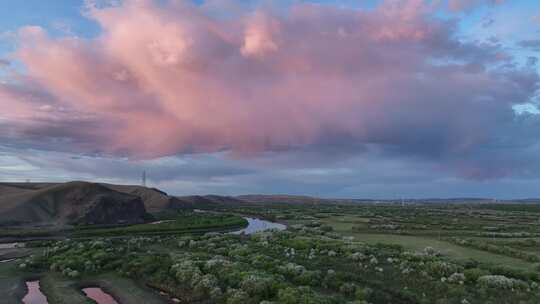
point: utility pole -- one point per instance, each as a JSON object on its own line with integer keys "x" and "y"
{"x": 144, "y": 178}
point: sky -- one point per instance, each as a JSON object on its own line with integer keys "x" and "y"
{"x": 351, "y": 98}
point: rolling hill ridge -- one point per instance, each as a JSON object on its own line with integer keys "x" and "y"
{"x": 71, "y": 203}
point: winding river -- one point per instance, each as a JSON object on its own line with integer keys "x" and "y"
{"x": 257, "y": 225}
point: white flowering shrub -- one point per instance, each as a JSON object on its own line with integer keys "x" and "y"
{"x": 259, "y": 285}
{"x": 216, "y": 263}
{"x": 440, "y": 269}
{"x": 358, "y": 256}
{"x": 235, "y": 296}
{"x": 292, "y": 270}
{"x": 312, "y": 254}
{"x": 456, "y": 278}
{"x": 289, "y": 252}
{"x": 261, "y": 261}
{"x": 204, "y": 285}
{"x": 187, "y": 272}
{"x": 430, "y": 251}
{"x": 501, "y": 282}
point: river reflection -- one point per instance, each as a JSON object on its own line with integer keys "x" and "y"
{"x": 258, "y": 225}
{"x": 34, "y": 295}
{"x": 98, "y": 295}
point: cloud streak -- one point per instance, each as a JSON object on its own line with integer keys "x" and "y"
{"x": 189, "y": 81}
{"x": 464, "y": 5}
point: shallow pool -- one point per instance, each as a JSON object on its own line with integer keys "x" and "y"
{"x": 97, "y": 294}
{"x": 34, "y": 295}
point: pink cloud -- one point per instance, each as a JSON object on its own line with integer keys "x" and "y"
{"x": 260, "y": 36}
{"x": 167, "y": 79}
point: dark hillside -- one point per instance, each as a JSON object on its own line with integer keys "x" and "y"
{"x": 69, "y": 203}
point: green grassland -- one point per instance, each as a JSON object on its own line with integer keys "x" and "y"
{"x": 330, "y": 254}
{"x": 173, "y": 224}
{"x": 62, "y": 290}
{"x": 421, "y": 241}
{"x": 506, "y": 234}
{"x": 11, "y": 283}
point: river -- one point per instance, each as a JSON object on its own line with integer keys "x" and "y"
{"x": 257, "y": 225}
{"x": 99, "y": 296}
{"x": 34, "y": 295}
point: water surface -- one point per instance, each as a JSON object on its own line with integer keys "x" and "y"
{"x": 97, "y": 294}
{"x": 34, "y": 295}
{"x": 258, "y": 225}
{"x": 161, "y": 222}
{"x": 11, "y": 245}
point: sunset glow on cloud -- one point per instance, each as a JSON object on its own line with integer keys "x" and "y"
{"x": 172, "y": 78}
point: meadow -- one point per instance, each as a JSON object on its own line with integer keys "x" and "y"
{"x": 422, "y": 253}
{"x": 170, "y": 223}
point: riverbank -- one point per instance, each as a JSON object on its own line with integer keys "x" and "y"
{"x": 12, "y": 283}
{"x": 60, "y": 289}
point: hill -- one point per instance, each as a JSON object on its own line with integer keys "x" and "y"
{"x": 66, "y": 204}
{"x": 38, "y": 204}
{"x": 207, "y": 201}
{"x": 154, "y": 199}
{"x": 283, "y": 199}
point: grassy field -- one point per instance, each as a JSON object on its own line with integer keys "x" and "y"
{"x": 181, "y": 223}
{"x": 448, "y": 249}
{"x": 423, "y": 254}
{"x": 126, "y": 291}
{"x": 61, "y": 290}
{"x": 172, "y": 223}
{"x": 29, "y": 233}
{"x": 11, "y": 283}
{"x": 344, "y": 225}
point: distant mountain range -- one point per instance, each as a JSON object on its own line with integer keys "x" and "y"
{"x": 69, "y": 203}
{"x": 60, "y": 204}
{"x": 75, "y": 203}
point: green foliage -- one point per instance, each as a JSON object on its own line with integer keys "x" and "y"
{"x": 182, "y": 223}
{"x": 472, "y": 275}
{"x": 309, "y": 263}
